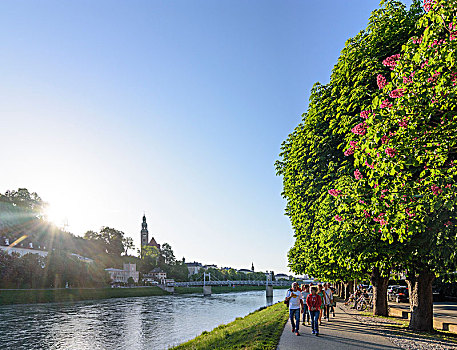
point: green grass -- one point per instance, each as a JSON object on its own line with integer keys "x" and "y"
{"x": 220, "y": 289}
{"x": 31, "y": 296}
{"x": 258, "y": 330}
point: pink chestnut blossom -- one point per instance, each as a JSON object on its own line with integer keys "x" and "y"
{"x": 338, "y": 218}
{"x": 436, "y": 190}
{"x": 358, "y": 175}
{"x": 365, "y": 114}
{"x": 386, "y": 104}
{"x": 391, "y": 61}
{"x": 359, "y": 129}
{"x": 403, "y": 123}
{"x": 349, "y": 151}
{"x": 434, "y": 77}
{"x": 391, "y": 152}
{"x": 382, "y": 81}
{"x": 417, "y": 40}
{"x": 368, "y": 165}
{"x": 407, "y": 80}
{"x": 384, "y": 139}
{"x": 428, "y": 5}
{"x": 396, "y": 93}
{"x": 334, "y": 192}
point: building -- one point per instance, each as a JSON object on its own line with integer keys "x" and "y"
{"x": 245, "y": 271}
{"x": 23, "y": 251}
{"x": 82, "y": 258}
{"x": 211, "y": 266}
{"x": 155, "y": 275}
{"x": 122, "y": 276}
{"x": 145, "y": 236}
{"x": 193, "y": 267}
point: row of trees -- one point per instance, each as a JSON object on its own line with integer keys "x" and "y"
{"x": 369, "y": 174}
{"x": 151, "y": 258}
{"x": 56, "y": 270}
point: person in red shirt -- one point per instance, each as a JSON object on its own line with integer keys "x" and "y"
{"x": 314, "y": 302}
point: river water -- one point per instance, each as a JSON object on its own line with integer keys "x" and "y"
{"x": 156, "y": 322}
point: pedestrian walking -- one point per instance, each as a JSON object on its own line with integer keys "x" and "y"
{"x": 321, "y": 293}
{"x": 295, "y": 300}
{"x": 328, "y": 301}
{"x": 314, "y": 303}
{"x": 333, "y": 304}
{"x": 305, "y": 292}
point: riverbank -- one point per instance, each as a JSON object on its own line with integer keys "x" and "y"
{"x": 258, "y": 330}
{"x": 33, "y": 296}
{"x": 221, "y": 289}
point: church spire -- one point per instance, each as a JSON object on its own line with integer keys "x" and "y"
{"x": 144, "y": 232}
{"x": 252, "y": 267}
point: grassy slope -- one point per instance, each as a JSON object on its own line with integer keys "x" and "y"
{"x": 220, "y": 289}
{"x": 258, "y": 330}
{"x": 48, "y": 296}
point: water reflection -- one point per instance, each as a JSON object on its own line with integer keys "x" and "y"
{"x": 128, "y": 323}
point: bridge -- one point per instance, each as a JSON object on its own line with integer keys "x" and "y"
{"x": 207, "y": 283}
{"x": 281, "y": 283}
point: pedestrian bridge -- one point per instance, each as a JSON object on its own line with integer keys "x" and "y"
{"x": 231, "y": 283}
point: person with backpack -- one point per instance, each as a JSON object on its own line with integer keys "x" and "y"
{"x": 294, "y": 299}
{"x": 314, "y": 303}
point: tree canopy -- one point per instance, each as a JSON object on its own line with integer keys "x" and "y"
{"x": 369, "y": 175}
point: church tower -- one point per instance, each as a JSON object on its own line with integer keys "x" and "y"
{"x": 144, "y": 233}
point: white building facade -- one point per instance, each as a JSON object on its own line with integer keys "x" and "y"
{"x": 123, "y": 275}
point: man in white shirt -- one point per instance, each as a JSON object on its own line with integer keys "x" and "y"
{"x": 295, "y": 300}
{"x": 328, "y": 301}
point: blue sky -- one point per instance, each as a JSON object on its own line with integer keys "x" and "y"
{"x": 178, "y": 109}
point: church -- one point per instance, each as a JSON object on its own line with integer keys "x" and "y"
{"x": 145, "y": 236}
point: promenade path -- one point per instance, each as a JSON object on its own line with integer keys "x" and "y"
{"x": 343, "y": 332}
{"x": 445, "y": 311}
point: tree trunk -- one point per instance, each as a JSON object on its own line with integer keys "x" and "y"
{"x": 421, "y": 300}
{"x": 379, "y": 284}
{"x": 348, "y": 289}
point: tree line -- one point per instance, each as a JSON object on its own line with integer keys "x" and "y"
{"x": 57, "y": 270}
{"x": 22, "y": 216}
{"x": 369, "y": 174}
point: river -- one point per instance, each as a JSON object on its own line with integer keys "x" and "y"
{"x": 156, "y": 322}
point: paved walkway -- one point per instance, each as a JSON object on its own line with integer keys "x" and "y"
{"x": 442, "y": 311}
{"x": 342, "y": 333}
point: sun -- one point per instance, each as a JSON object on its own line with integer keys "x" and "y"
{"x": 57, "y": 216}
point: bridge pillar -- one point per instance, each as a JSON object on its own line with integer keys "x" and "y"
{"x": 206, "y": 290}
{"x": 269, "y": 291}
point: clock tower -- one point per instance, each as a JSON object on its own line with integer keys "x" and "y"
{"x": 144, "y": 233}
